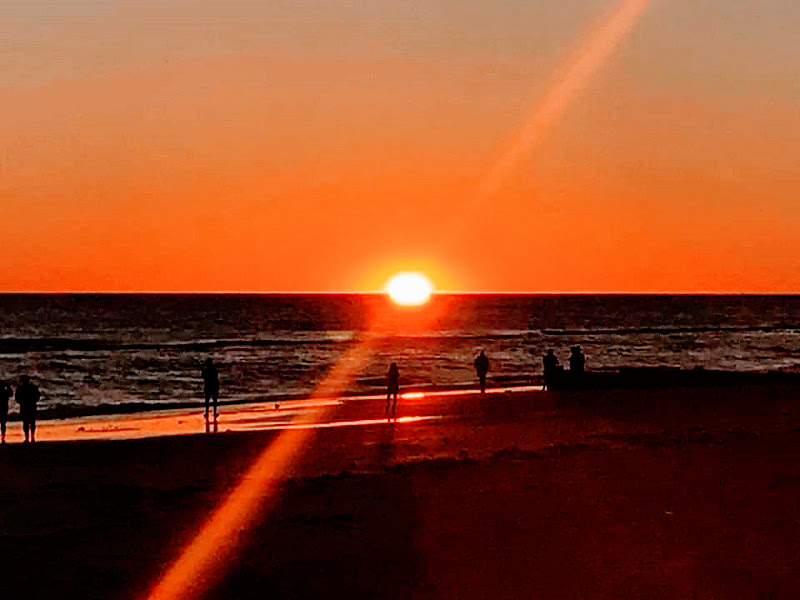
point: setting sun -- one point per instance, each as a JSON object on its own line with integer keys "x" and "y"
{"x": 409, "y": 289}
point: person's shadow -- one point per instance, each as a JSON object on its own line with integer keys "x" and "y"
{"x": 384, "y": 447}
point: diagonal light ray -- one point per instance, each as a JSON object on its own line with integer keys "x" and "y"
{"x": 211, "y": 549}
{"x": 577, "y": 74}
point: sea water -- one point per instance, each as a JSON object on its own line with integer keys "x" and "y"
{"x": 85, "y": 350}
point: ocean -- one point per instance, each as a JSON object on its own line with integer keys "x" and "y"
{"x": 88, "y": 350}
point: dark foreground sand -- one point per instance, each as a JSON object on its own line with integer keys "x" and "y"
{"x": 682, "y": 493}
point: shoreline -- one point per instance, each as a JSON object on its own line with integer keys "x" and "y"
{"x": 70, "y": 411}
{"x": 252, "y": 416}
{"x": 416, "y": 404}
{"x": 625, "y": 377}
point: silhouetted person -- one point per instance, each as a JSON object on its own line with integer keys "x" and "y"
{"x": 393, "y": 389}
{"x": 27, "y": 396}
{"x": 577, "y": 361}
{"x": 6, "y": 393}
{"x": 210, "y": 385}
{"x": 550, "y": 362}
{"x": 481, "y": 369}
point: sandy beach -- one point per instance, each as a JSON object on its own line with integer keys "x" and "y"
{"x": 671, "y": 493}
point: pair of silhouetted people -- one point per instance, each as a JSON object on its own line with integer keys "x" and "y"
{"x": 577, "y": 365}
{"x": 392, "y": 390}
{"x": 481, "y": 369}
{"x": 210, "y": 386}
{"x": 27, "y": 396}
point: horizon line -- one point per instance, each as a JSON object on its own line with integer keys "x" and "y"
{"x": 382, "y": 293}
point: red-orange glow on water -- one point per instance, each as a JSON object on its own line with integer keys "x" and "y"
{"x": 388, "y": 318}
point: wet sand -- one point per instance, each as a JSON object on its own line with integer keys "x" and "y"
{"x": 250, "y": 416}
{"x": 637, "y": 493}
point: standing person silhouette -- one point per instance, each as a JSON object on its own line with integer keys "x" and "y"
{"x": 481, "y": 369}
{"x": 6, "y": 393}
{"x": 393, "y": 390}
{"x": 577, "y": 361}
{"x": 27, "y": 396}
{"x": 210, "y": 385}
{"x": 550, "y": 362}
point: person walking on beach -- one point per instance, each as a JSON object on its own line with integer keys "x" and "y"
{"x": 550, "y": 362}
{"x": 393, "y": 389}
{"x": 577, "y": 361}
{"x": 27, "y": 396}
{"x": 6, "y": 393}
{"x": 481, "y": 369}
{"x": 210, "y": 385}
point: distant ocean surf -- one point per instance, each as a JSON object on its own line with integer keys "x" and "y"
{"x": 85, "y": 350}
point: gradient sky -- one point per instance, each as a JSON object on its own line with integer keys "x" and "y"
{"x": 322, "y": 145}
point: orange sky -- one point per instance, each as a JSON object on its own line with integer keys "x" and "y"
{"x": 321, "y": 146}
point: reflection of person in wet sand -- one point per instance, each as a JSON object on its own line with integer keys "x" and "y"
{"x": 393, "y": 389}
{"x": 210, "y": 385}
{"x": 6, "y": 393}
{"x": 481, "y": 369}
{"x": 27, "y": 396}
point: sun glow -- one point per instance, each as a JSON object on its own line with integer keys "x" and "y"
{"x": 409, "y": 289}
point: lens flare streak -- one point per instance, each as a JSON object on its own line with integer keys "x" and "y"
{"x": 577, "y": 74}
{"x": 189, "y": 576}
